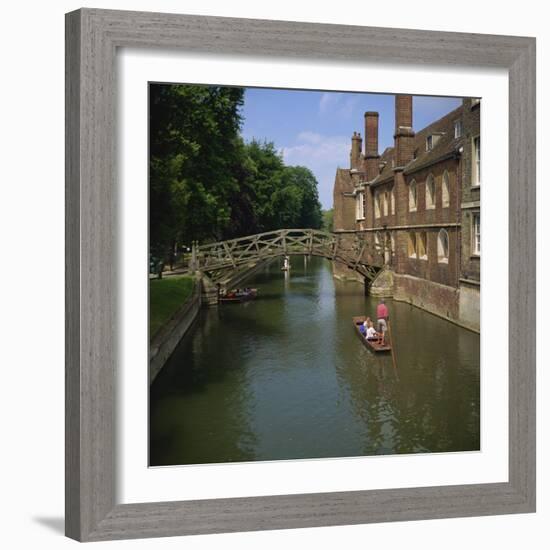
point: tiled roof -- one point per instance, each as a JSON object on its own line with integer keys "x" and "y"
{"x": 387, "y": 171}
{"x": 446, "y": 144}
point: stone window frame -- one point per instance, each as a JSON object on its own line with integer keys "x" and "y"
{"x": 411, "y": 245}
{"x": 458, "y": 128}
{"x": 476, "y": 161}
{"x": 442, "y": 255}
{"x": 378, "y": 243}
{"x": 446, "y": 190}
{"x": 430, "y": 192}
{"x": 475, "y": 244}
{"x": 360, "y": 206}
{"x": 386, "y": 205}
{"x": 392, "y": 195}
{"x": 429, "y": 143}
{"x": 377, "y": 209}
{"x": 413, "y": 196}
{"x": 422, "y": 245}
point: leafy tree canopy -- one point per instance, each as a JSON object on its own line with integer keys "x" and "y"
{"x": 207, "y": 184}
{"x": 328, "y": 220}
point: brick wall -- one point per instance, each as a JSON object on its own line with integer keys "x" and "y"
{"x": 433, "y": 297}
{"x": 470, "y": 200}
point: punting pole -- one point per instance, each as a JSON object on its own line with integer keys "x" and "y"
{"x": 392, "y": 347}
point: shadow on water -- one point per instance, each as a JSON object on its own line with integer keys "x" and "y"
{"x": 285, "y": 376}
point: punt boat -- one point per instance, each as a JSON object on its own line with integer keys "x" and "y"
{"x": 373, "y": 345}
{"x": 237, "y": 296}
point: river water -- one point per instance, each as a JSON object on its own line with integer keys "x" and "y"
{"x": 286, "y": 377}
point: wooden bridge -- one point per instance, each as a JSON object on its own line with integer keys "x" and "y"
{"x": 220, "y": 260}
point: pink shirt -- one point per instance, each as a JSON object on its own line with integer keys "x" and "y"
{"x": 381, "y": 311}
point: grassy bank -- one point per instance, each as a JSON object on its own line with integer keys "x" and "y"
{"x": 166, "y": 296}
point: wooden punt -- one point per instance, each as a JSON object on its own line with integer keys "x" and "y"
{"x": 234, "y": 297}
{"x": 373, "y": 345}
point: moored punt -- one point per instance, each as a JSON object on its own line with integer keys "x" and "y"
{"x": 235, "y": 297}
{"x": 373, "y": 345}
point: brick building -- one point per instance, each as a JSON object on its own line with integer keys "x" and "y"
{"x": 418, "y": 203}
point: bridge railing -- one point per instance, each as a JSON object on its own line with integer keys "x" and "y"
{"x": 359, "y": 252}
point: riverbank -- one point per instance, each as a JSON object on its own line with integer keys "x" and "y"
{"x": 166, "y": 296}
{"x": 173, "y": 306}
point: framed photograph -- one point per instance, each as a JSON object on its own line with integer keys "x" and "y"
{"x": 277, "y": 311}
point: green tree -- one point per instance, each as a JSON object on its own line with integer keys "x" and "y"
{"x": 305, "y": 183}
{"x": 195, "y": 150}
{"x": 328, "y": 220}
{"x": 265, "y": 179}
{"x": 206, "y": 183}
{"x": 282, "y": 196}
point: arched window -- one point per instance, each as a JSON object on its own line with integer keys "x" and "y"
{"x": 476, "y": 179}
{"x": 445, "y": 195}
{"x": 430, "y": 192}
{"x": 360, "y": 206}
{"x": 411, "y": 245}
{"x": 422, "y": 243}
{"x": 412, "y": 196}
{"x": 476, "y": 234}
{"x": 387, "y": 248}
{"x": 443, "y": 247}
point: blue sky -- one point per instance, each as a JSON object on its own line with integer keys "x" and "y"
{"x": 314, "y": 129}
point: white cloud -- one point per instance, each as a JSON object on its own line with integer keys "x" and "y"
{"x": 338, "y": 104}
{"x": 316, "y": 148}
{"x": 328, "y": 101}
{"x": 322, "y": 155}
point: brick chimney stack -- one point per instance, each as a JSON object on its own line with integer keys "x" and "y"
{"x": 371, "y": 145}
{"x": 355, "y": 155}
{"x": 404, "y": 133}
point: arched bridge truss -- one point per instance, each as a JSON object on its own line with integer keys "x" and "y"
{"x": 220, "y": 260}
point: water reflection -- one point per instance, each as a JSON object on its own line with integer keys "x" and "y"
{"x": 285, "y": 377}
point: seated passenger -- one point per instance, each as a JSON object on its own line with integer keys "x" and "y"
{"x": 371, "y": 332}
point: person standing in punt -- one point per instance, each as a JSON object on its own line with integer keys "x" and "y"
{"x": 382, "y": 315}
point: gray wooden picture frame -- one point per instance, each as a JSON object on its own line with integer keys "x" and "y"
{"x": 92, "y": 38}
